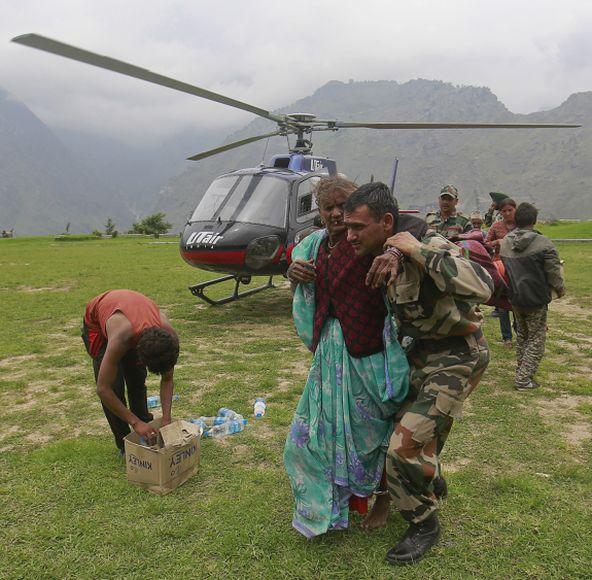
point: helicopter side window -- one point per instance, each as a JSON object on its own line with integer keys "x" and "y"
{"x": 306, "y": 203}
{"x": 213, "y": 198}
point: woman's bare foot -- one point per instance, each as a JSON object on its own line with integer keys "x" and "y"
{"x": 378, "y": 514}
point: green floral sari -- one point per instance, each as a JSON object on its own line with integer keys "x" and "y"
{"x": 338, "y": 439}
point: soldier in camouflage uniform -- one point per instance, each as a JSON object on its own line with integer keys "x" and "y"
{"x": 447, "y": 221}
{"x": 434, "y": 292}
{"x": 534, "y": 272}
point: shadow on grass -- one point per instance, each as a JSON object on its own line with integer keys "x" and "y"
{"x": 269, "y": 306}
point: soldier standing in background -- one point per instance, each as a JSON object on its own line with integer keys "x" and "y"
{"x": 434, "y": 292}
{"x": 447, "y": 221}
{"x": 534, "y": 272}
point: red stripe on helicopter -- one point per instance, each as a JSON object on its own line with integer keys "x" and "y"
{"x": 215, "y": 257}
{"x": 278, "y": 255}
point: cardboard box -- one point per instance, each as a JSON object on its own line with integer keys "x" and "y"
{"x": 162, "y": 468}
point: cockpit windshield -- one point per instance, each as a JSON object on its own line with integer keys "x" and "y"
{"x": 255, "y": 199}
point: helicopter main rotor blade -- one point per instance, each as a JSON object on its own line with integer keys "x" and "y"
{"x": 118, "y": 66}
{"x": 232, "y": 145}
{"x": 347, "y": 125}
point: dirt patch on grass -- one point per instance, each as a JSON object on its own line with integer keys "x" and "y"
{"x": 266, "y": 466}
{"x": 577, "y": 366}
{"x": 14, "y": 376}
{"x": 293, "y": 375}
{"x": 38, "y": 438}
{"x": 98, "y": 426}
{"x": 241, "y": 451}
{"x": 562, "y": 411}
{"x": 250, "y": 332}
{"x": 59, "y": 429}
{"x": 264, "y": 431}
{"x": 468, "y": 410}
{"x": 16, "y": 361}
{"x": 454, "y": 466}
{"x": 34, "y": 289}
{"x": 285, "y": 385}
{"x": 12, "y": 430}
{"x": 579, "y": 337}
{"x": 566, "y": 307}
{"x": 575, "y": 347}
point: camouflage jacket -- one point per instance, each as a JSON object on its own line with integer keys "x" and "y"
{"x": 437, "y": 291}
{"x": 453, "y": 225}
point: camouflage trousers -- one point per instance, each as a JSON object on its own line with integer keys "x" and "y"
{"x": 531, "y": 332}
{"x": 442, "y": 375}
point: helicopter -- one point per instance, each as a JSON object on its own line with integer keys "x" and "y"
{"x": 248, "y": 220}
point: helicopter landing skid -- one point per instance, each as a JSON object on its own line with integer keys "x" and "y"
{"x": 199, "y": 289}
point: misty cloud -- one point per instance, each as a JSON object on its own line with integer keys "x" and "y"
{"x": 530, "y": 55}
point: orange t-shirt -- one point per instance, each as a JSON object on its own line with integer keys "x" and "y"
{"x": 137, "y": 308}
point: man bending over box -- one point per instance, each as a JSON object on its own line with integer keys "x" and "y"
{"x": 124, "y": 333}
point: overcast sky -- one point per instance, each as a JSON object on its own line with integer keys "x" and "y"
{"x": 270, "y": 53}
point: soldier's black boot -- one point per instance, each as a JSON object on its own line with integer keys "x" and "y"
{"x": 418, "y": 539}
{"x": 440, "y": 488}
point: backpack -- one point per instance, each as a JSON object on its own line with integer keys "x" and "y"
{"x": 477, "y": 252}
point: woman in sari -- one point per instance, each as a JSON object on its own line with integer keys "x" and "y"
{"x": 335, "y": 450}
{"x": 498, "y": 231}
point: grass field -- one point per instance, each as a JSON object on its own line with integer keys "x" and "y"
{"x": 560, "y": 230}
{"x": 518, "y": 464}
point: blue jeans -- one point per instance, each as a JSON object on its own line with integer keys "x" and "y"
{"x": 505, "y": 325}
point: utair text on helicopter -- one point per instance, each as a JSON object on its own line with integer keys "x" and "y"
{"x": 248, "y": 220}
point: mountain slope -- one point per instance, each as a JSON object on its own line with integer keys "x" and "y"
{"x": 551, "y": 167}
{"x": 42, "y": 185}
{"x": 136, "y": 172}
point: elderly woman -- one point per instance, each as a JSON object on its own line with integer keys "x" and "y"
{"x": 337, "y": 444}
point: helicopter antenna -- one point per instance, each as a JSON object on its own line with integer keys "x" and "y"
{"x": 265, "y": 151}
{"x": 394, "y": 175}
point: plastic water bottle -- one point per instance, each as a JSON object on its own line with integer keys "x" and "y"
{"x": 207, "y": 422}
{"x": 259, "y": 407}
{"x": 211, "y": 421}
{"x": 199, "y": 421}
{"x": 154, "y": 400}
{"x": 226, "y": 428}
{"x": 225, "y": 412}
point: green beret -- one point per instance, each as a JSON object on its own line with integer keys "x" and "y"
{"x": 497, "y": 196}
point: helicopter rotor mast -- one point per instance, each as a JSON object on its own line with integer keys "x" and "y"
{"x": 300, "y": 124}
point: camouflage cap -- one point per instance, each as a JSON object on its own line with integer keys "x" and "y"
{"x": 449, "y": 190}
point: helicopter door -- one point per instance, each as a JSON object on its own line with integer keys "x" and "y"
{"x": 306, "y": 208}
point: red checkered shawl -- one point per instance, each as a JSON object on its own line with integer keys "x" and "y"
{"x": 342, "y": 293}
